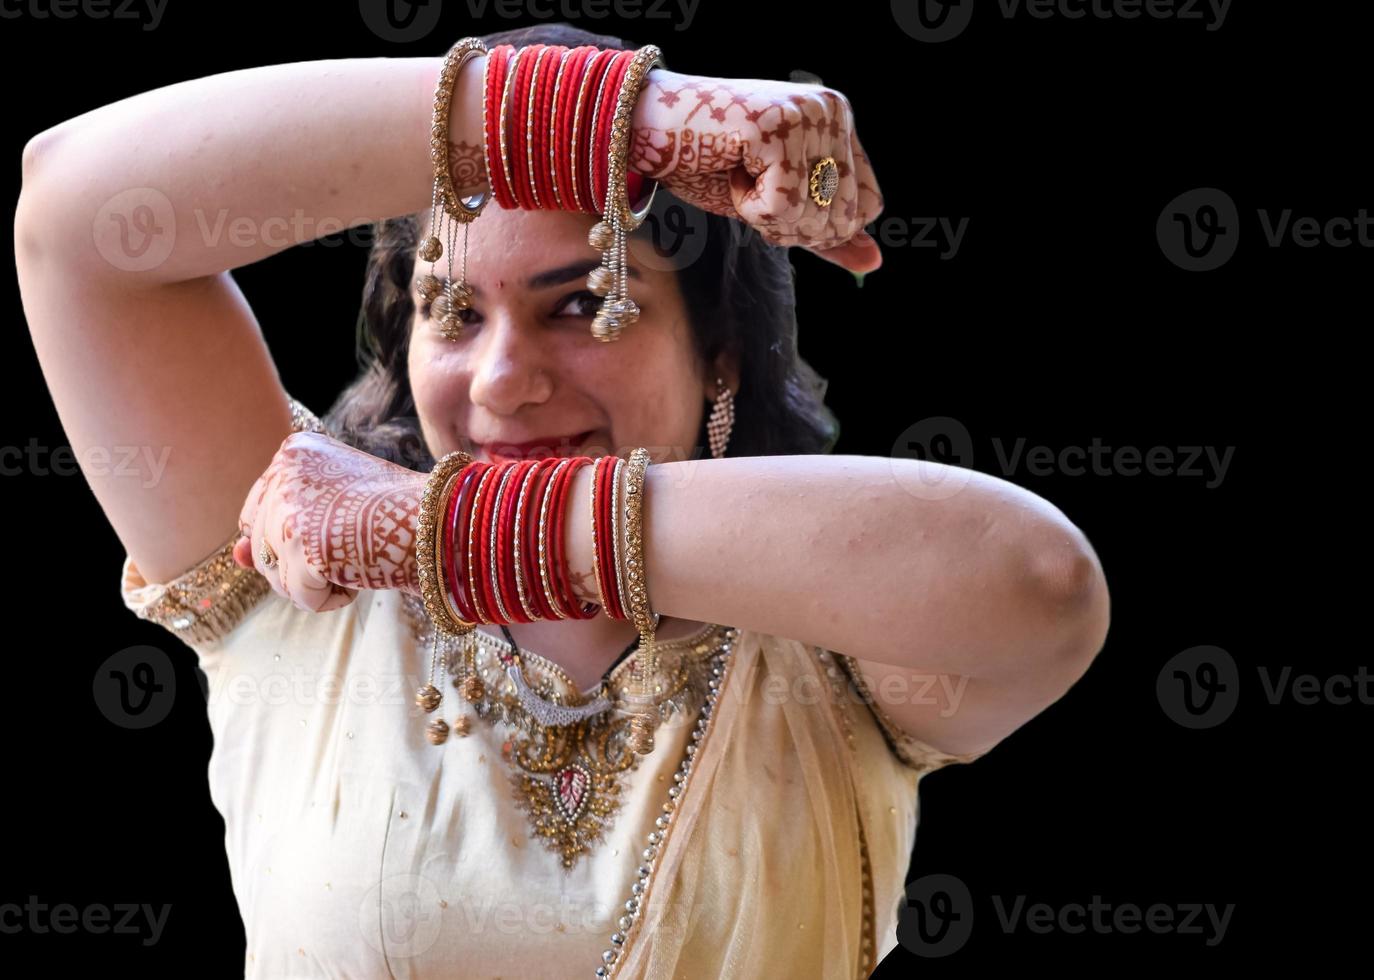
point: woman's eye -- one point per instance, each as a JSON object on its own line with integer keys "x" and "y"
{"x": 426, "y": 309}
{"x": 584, "y": 303}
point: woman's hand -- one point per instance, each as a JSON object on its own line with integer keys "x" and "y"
{"x": 338, "y": 520}
{"x": 744, "y": 148}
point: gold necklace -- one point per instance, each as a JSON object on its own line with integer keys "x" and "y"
{"x": 566, "y": 776}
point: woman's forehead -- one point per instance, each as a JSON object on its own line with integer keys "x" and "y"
{"x": 511, "y": 243}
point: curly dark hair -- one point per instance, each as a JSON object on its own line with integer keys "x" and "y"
{"x": 739, "y": 292}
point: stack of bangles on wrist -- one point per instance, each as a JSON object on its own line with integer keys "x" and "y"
{"x": 490, "y": 548}
{"x": 556, "y": 131}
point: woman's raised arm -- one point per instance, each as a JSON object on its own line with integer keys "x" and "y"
{"x": 131, "y": 216}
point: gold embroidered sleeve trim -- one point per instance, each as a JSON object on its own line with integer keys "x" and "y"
{"x": 205, "y": 602}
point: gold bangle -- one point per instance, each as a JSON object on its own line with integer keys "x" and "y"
{"x": 611, "y": 278}
{"x": 440, "y": 537}
{"x": 645, "y": 60}
{"x": 636, "y": 582}
{"x": 458, "y": 208}
{"x": 429, "y": 525}
{"x": 641, "y": 703}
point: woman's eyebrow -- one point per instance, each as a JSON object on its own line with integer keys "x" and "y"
{"x": 569, "y": 272}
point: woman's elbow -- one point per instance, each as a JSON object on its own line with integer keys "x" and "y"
{"x": 1069, "y": 578}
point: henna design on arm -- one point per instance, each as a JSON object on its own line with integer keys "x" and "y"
{"x": 355, "y": 521}
{"x": 467, "y": 168}
{"x": 694, "y": 133}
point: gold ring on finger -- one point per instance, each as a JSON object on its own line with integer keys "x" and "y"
{"x": 268, "y": 556}
{"x": 825, "y": 181}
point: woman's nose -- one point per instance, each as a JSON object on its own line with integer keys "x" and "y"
{"x": 509, "y": 369}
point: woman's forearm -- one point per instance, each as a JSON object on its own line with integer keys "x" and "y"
{"x": 249, "y": 162}
{"x": 857, "y": 555}
{"x": 244, "y": 164}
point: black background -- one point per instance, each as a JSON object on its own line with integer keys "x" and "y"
{"x": 1059, "y": 321}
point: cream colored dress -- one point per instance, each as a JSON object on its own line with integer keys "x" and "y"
{"x": 359, "y": 849}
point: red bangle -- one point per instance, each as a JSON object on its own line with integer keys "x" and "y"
{"x": 498, "y": 64}
{"x": 602, "y": 531}
{"x": 549, "y": 70}
{"x": 578, "y": 608}
{"x": 482, "y": 524}
{"x": 601, "y": 149}
{"x": 556, "y": 156}
{"x": 529, "y": 119}
{"x": 530, "y": 566}
{"x": 505, "y": 543}
{"x": 472, "y": 524}
{"x": 587, "y": 127}
{"x": 568, "y": 89}
{"x": 455, "y": 551}
{"x": 553, "y": 542}
{"x": 614, "y": 519}
{"x": 516, "y": 144}
{"x": 494, "y": 539}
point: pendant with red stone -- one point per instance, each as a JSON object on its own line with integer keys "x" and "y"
{"x": 572, "y": 789}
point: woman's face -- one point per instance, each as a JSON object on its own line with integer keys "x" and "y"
{"x": 527, "y": 368}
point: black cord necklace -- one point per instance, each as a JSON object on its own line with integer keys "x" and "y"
{"x": 515, "y": 648}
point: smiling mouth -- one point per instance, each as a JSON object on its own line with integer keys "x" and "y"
{"x": 538, "y": 448}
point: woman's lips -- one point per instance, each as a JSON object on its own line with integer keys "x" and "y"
{"x": 537, "y": 448}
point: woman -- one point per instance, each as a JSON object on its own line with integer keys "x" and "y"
{"x": 830, "y": 630}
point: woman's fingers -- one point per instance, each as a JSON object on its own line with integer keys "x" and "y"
{"x": 859, "y": 255}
